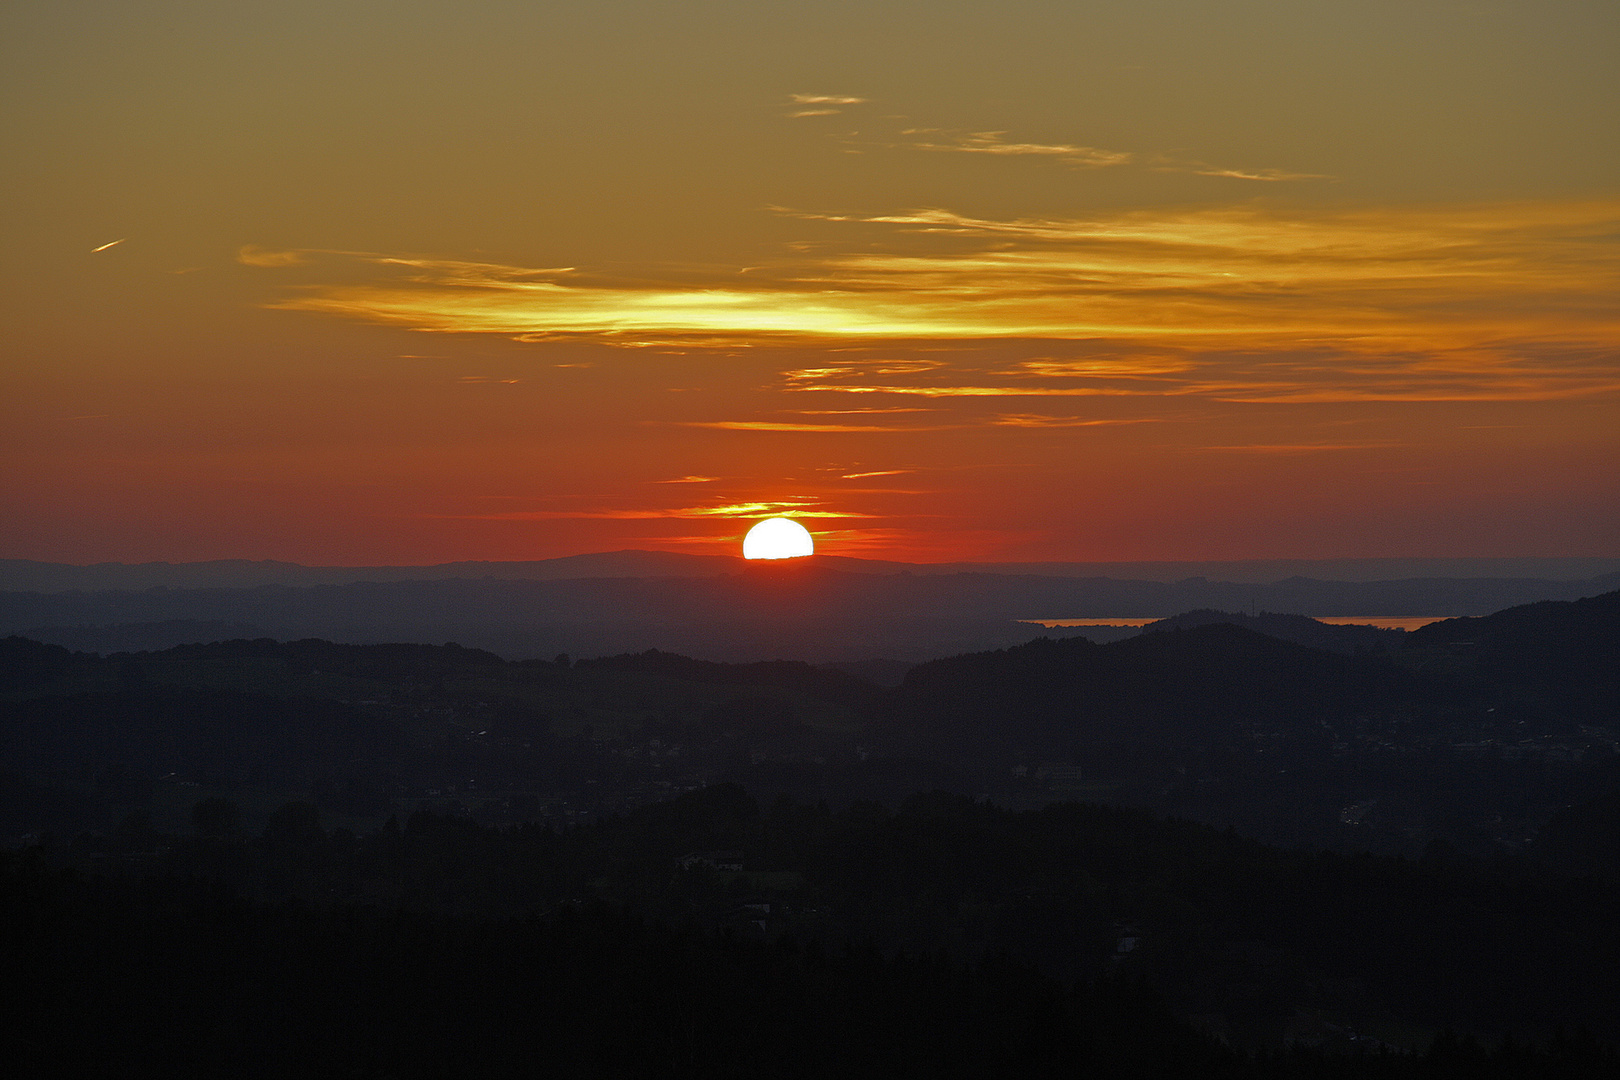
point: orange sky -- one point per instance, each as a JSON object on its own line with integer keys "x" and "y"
{"x": 410, "y": 282}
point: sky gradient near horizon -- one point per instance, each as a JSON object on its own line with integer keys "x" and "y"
{"x": 399, "y": 281}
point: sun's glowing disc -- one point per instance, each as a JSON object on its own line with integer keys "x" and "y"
{"x": 778, "y": 538}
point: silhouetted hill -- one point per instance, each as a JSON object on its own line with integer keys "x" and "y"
{"x": 1583, "y": 839}
{"x": 142, "y": 637}
{"x": 880, "y": 671}
{"x": 147, "y": 731}
{"x": 1566, "y": 654}
{"x": 823, "y": 682}
{"x": 391, "y": 662}
{"x": 941, "y": 937}
{"x": 24, "y": 662}
{"x": 182, "y": 979}
{"x": 1296, "y": 628}
{"x": 1176, "y": 688}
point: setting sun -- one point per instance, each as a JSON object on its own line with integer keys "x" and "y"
{"x": 778, "y": 538}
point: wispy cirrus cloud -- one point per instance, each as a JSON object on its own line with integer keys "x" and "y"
{"x": 875, "y": 367}
{"x": 825, "y": 99}
{"x": 785, "y": 508}
{"x": 795, "y": 425}
{"x": 1292, "y": 448}
{"x": 861, "y": 412}
{"x": 821, "y": 104}
{"x": 930, "y": 391}
{"x": 1029, "y": 420}
{"x": 1487, "y": 302}
{"x": 441, "y": 271}
{"x": 1266, "y": 175}
{"x": 998, "y": 144}
{"x": 254, "y": 255}
{"x": 1136, "y": 363}
{"x": 992, "y": 142}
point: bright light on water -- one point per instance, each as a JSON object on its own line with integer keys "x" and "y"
{"x": 1383, "y": 622}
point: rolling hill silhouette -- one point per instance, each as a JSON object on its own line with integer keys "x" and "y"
{"x": 1184, "y": 689}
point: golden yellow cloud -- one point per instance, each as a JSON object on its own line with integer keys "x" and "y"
{"x": 1268, "y": 175}
{"x": 790, "y": 425}
{"x": 253, "y": 255}
{"x": 791, "y": 508}
{"x": 824, "y": 99}
{"x": 1473, "y": 302}
{"x": 1292, "y": 448}
{"x": 1030, "y": 420}
{"x": 1030, "y": 390}
{"x": 991, "y": 142}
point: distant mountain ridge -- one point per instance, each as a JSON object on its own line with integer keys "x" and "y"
{"x": 24, "y": 575}
{"x": 790, "y": 611}
{"x": 28, "y": 576}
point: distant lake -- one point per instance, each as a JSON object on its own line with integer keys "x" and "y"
{"x": 1384, "y": 622}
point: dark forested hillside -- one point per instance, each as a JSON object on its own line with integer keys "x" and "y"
{"x": 1558, "y": 657}
{"x": 176, "y": 979}
{"x": 1475, "y": 742}
{"x": 151, "y": 729}
{"x": 1192, "y": 688}
{"x": 946, "y": 932}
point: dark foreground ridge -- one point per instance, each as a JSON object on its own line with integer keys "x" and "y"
{"x": 939, "y": 940}
{"x": 179, "y": 979}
